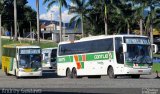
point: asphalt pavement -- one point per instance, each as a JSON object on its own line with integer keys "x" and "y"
{"x": 51, "y": 83}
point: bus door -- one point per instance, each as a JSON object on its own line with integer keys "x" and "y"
{"x": 119, "y": 53}
{"x": 53, "y": 57}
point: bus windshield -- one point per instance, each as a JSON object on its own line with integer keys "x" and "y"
{"x": 138, "y": 53}
{"x": 30, "y": 59}
{"x": 138, "y": 50}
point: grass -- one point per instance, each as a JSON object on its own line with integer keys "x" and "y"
{"x": 156, "y": 55}
{"x": 156, "y": 67}
{"x": 43, "y": 44}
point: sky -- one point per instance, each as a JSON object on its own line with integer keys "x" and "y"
{"x": 51, "y": 14}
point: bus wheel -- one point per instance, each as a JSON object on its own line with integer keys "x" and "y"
{"x": 68, "y": 73}
{"x": 74, "y": 73}
{"x": 135, "y": 76}
{"x": 111, "y": 73}
{"x": 97, "y": 76}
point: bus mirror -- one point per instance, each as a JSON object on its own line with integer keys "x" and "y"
{"x": 124, "y": 47}
{"x": 154, "y": 48}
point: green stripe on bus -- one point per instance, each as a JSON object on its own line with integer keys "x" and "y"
{"x": 82, "y": 65}
{"x": 128, "y": 63}
{"x": 80, "y": 57}
{"x": 99, "y": 56}
{"x": 11, "y": 63}
{"x": 65, "y": 59}
{"x": 89, "y": 57}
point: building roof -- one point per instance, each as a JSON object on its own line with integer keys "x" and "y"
{"x": 66, "y": 32}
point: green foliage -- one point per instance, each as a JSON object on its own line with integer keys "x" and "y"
{"x": 24, "y": 15}
{"x": 121, "y": 15}
{"x": 42, "y": 44}
{"x": 156, "y": 67}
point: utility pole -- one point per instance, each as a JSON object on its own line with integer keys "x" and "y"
{"x": 15, "y": 20}
{"x": 60, "y": 22}
{"x": 30, "y": 24}
{"x": 38, "y": 31}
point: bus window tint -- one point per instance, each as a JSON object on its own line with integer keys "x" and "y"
{"x": 30, "y": 61}
{"x": 53, "y": 55}
{"x": 87, "y": 47}
{"x": 119, "y": 50}
{"x": 46, "y": 54}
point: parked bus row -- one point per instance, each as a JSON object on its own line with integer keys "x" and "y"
{"x": 114, "y": 55}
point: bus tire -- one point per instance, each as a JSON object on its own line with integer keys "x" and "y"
{"x": 97, "y": 76}
{"x": 135, "y": 76}
{"x": 74, "y": 73}
{"x": 68, "y": 73}
{"x": 111, "y": 73}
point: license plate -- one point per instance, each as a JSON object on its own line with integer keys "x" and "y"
{"x": 140, "y": 70}
{"x": 31, "y": 73}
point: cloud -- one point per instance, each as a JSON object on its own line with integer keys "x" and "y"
{"x": 66, "y": 17}
{"x": 72, "y": 4}
{"x": 54, "y": 13}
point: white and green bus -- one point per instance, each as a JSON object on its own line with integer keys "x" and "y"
{"x": 113, "y": 55}
{"x": 22, "y": 60}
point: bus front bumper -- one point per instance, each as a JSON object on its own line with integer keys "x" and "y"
{"x": 141, "y": 71}
{"x": 29, "y": 74}
{"x": 46, "y": 65}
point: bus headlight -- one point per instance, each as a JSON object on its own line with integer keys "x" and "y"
{"x": 21, "y": 70}
{"x": 39, "y": 69}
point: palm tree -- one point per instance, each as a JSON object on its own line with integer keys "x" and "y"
{"x": 107, "y": 6}
{"x": 139, "y": 6}
{"x": 126, "y": 16}
{"x": 80, "y": 8}
{"x": 152, "y": 5}
{"x": 30, "y": 16}
{"x": 61, "y": 4}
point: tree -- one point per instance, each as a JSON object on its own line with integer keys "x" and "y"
{"x": 107, "y": 6}
{"x": 127, "y": 15}
{"x": 152, "y": 5}
{"x": 81, "y": 8}
{"x": 138, "y": 6}
{"x": 61, "y": 4}
{"x": 30, "y": 17}
{"x": 22, "y": 20}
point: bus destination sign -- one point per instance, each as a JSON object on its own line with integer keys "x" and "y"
{"x": 30, "y": 51}
{"x": 137, "y": 41}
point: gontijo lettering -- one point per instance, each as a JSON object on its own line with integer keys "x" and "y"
{"x": 103, "y": 56}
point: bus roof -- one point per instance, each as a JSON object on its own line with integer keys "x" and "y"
{"x": 20, "y": 45}
{"x": 49, "y": 48}
{"x": 101, "y": 37}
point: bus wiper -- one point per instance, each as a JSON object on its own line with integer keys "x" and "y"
{"x": 137, "y": 59}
